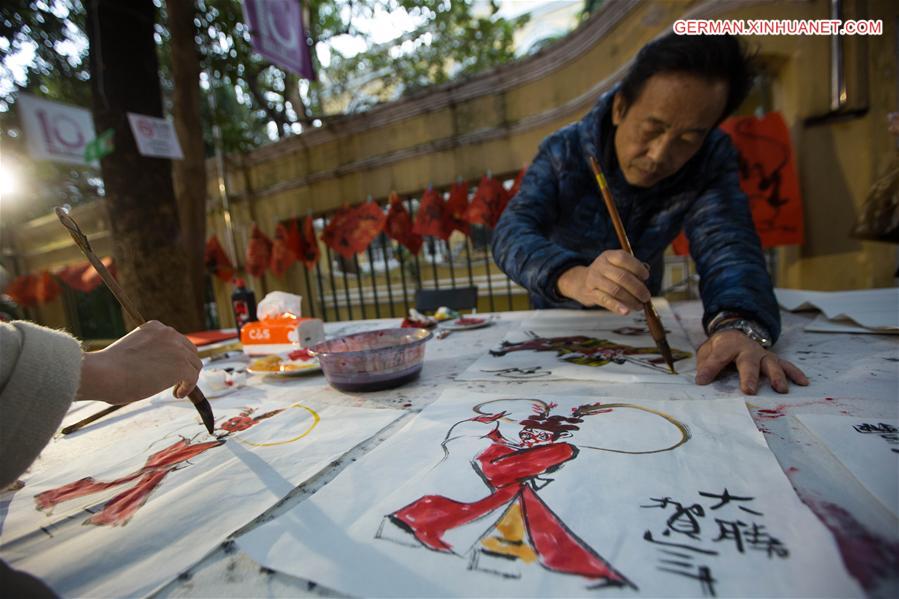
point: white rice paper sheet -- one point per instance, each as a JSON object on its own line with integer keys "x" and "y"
{"x": 641, "y": 514}
{"x": 195, "y": 506}
{"x": 620, "y": 347}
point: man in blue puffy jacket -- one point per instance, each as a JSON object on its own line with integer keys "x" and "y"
{"x": 668, "y": 167}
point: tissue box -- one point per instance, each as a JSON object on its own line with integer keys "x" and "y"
{"x": 279, "y": 335}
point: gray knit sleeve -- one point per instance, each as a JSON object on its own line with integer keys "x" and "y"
{"x": 40, "y": 370}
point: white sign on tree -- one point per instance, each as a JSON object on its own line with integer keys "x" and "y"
{"x": 155, "y": 136}
{"x": 56, "y": 131}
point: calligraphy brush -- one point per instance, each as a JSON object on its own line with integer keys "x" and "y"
{"x": 196, "y": 396}
{"x": 652, "y": 317}
{"x": 85, "y": 421}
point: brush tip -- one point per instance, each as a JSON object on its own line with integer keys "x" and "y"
{"x": 205, "y": 411}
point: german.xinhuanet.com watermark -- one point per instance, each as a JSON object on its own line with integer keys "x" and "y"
{"x": 778, "y": 27}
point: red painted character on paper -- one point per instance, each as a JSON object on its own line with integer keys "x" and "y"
{"x": 121, "y": 508}
{"x": 521, "y": 526}
{"x": 590, "y": 351}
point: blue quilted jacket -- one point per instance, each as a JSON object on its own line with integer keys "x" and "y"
{"x": 558, "y": 220}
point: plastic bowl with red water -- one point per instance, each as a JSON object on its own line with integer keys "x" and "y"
{"x": 373, "y": 360}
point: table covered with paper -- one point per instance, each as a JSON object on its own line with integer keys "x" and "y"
{"x": 548, "y": 454}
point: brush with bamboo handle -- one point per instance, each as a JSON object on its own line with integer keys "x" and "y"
{"x": 652, "y": 317}
{"x": 196, "y": 396}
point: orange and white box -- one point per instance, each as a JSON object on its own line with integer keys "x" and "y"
{"x": 280, "y": 335}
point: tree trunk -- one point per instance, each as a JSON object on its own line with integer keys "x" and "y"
{"x": 189, "y": 174}
{"x": 150, "y": 260}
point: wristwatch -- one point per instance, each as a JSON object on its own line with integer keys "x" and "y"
{"x": 726, "y": 321}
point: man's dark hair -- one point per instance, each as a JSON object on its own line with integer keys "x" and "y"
{"x": 713, "y": 57}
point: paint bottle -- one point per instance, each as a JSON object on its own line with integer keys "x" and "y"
{"x": 243, "y": 303}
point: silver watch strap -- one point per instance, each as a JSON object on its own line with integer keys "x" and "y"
{"x": 750, "y": 328}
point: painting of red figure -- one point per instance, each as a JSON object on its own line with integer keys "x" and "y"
{"x": 519, "y": 525}
{"x": 119, "y": 510}
{"x": 589, "y": 351}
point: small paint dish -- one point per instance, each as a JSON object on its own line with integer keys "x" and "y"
{"x": 466, "y": 323}
{"x": 295, "y": 363}
{"x": 373, "y": 360}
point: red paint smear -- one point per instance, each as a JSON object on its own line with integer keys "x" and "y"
{"x": 792, "y": 470}
{"x": 119, "y": 510}
{"x": 780, "y": 410}
{"x": 74, "y": 490}
{"x": 469, "y": 321}
{"x": 300, "y": 354}
{"x": 243, "y": 421}
{"x": 867, "y": 556}
{"x": 160, "y": 463}
{"x": 771, "y": 414}
{"x": 177, "y": 452}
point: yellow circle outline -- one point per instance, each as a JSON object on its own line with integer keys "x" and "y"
{"x": 680, "y": 426}
{"x": 315, "y": 420}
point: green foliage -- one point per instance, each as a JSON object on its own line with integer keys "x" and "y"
{"x": 248, "y": 98}
{"x": 451, "y": 42}
{"x": 59, "y": 71}
{"x": 60, "y": 68}
{"x": 590, "y": 7}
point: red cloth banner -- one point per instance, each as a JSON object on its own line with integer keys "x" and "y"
{"x": 282, "y": 254}
{"x": 216, "y": 260}
{"x": 768, "y": 177}
{"x": 82, "y": 276}
{"x": 23, "y": 290}
{"x": 399, "y": 225}
{"x": 30, "y": 290}
{"x": 352, "y": 230}
{"x": 488, "y": 203}
{"x": 259, "y": 252}
{"x": 457, "y": 206}
{"x": 432, "y": 218}
{"x": 309, "y": 251}
{"x": 46, "y": 288}
{"x": 294, "y": 239}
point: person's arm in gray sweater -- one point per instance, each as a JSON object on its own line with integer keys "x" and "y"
{"x": 43, "y": 371}
{"x": 40, "y": 370}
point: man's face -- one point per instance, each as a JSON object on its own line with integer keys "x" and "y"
{"x": 531, "y": 437}
{"x": 666, "y": 125}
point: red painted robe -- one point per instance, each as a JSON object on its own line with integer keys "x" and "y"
{"x": 509, "y": 471}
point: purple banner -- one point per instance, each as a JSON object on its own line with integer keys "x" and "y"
{"x": 277, "y": 33}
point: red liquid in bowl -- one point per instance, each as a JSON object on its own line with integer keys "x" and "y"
{"x": 374, "y": 360}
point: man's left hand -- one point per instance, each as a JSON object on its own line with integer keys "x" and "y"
{"x": 751, "y": 360}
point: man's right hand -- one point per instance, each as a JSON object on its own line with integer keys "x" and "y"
{"x": 615, "y": 281}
